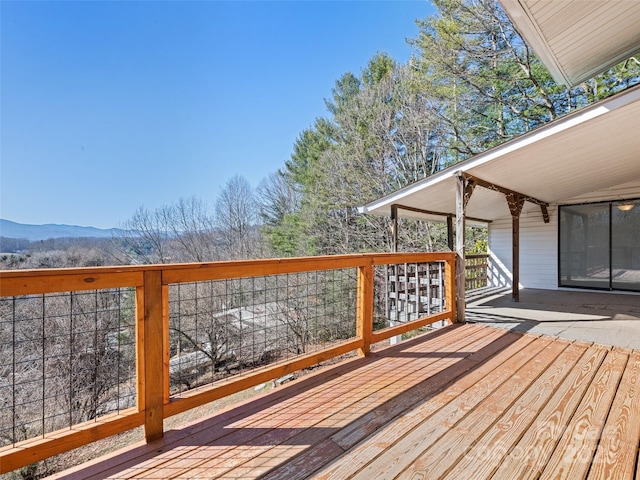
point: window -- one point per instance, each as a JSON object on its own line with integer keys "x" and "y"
{"x": 599, "y": 245}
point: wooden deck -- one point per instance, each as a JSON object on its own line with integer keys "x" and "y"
{"x": 465, "y": 402}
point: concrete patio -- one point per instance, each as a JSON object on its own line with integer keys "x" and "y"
{"x": 601, "y": 317}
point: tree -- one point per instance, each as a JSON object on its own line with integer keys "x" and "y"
{"x": 193, "y": 231}
{"x": 236, "y": 218}
{"x": 278, "y": 203}
{"x": 180, "y": 232}
{"x": 486, "y": 84}
{"x": 382, "y": 138}
{"x": 145, "y": 236}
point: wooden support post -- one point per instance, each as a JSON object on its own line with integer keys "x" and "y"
{"x": 460, "y": 239}
{"x": 516, "y": 202}
{"x": 151, "y": 354}
{"x": 394, "y": 228}
{"x": 450, "y": 232}
{"x": 515, "y": 259}
{"x": 364, "y": 314}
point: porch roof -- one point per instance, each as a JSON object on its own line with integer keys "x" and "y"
{"x": 577, "y": 39}
{"x": 589, "y": 150}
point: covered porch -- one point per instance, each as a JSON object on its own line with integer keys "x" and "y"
{"x": 607, "y": 318}
{"x": 561, "y": 203}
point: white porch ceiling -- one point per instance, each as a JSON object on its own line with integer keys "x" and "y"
{"x": 592, "y": 149}
{"x": 577, "y": 39}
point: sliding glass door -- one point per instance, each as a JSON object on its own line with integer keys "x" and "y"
{"x": 600, "y": 245}
{"x": 625, "y": 245}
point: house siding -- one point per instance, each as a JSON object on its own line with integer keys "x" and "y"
{"x": 538, "y": 251}
{"x": 539, "y": 242}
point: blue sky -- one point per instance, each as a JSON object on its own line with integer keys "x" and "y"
{"x": 107, "y": 106}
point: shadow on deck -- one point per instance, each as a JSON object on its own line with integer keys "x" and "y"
{"x": 466, "y": 401}
{"x": 609, "y": 318}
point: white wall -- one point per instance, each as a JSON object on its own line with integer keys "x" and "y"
{"x": 538, "y": 251}
{"x": 539, "y": 242}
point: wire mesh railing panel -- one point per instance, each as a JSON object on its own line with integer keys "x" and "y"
{"x": 408, "y": 291}
{"x": 65, "y": 359}
{"x": 221, "y": 328}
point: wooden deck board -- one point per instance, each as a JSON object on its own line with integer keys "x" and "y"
{"x": 405, "y": 436}
{"x": 209, "y": 431}
{"x": 469, "y": 401}
{"x": 292, "y": 423}
{"x": 438, "y": 459}
{"x": 573, "y": 454}
{"x": 373, "y": 388}
{"x": 618, "y": 448}
{"x": 483, "y": 459}
{"x": 530, "y": 455}
{"x": 462, "y": 393}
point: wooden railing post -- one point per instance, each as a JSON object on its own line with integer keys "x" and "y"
{"x": 150, "y": 355}
{"x": 166, "y": 354}
{"x": 450, "y": 282}
{"x": 364, "y": 314}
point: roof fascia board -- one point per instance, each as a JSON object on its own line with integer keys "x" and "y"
{"x": 522, "y": 19}
{"x": 571, "y": 120}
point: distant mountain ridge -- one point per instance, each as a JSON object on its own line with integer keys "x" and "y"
{"x": 34, "y": 233}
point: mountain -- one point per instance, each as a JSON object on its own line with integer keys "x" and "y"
{"x": 33, "y": 233}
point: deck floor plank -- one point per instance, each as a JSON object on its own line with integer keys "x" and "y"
{"x": 421, "y": 398}
{"x": 223, "y": 452}
{"x": 468, "y": 401}
{"x": 378, "y": 387}
{"x": 450, "y": 405}
{"x": 483, "y": 459}
{"x": 618, "y": 447}
{"x": 298, "y": 394}
{"x": 573, "y": 454}
{"x": 531, "y": 454}
{"x": 438, "y": 459}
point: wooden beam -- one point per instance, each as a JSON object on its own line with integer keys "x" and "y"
{"x": 545, "y": 213}
{"x": 461, "y": 201}
{"x": 438, "y": 214}
{"x": 515, "y": 201}
{"x": 507, "y": 191}
{"x": 515, "y": 259}
{"x": 55, "y": 443}
{"x": 450, "y": 286}
{"x": 498, "y": 188}
{"x": 469, "y": 185}
{"x": 450, "y": 232}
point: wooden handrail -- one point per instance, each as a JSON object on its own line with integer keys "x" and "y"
{"x": 151, "y": 285}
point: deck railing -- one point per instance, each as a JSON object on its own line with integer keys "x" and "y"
{"x": 476, "y": 271}
{"x": 88, "y": 353}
